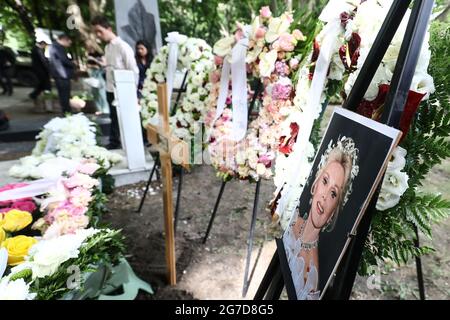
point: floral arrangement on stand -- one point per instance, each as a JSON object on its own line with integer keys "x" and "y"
{"x": 400, "y": 206}
{"x": 195, "y": 56}
{"x": 50, "y": 251}
{"x": 273, "y": 55}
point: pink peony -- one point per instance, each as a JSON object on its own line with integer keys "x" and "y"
{"x": 81, "y": 180}
{"x": 265, "y": 12}
{"x": 80, "y": 197}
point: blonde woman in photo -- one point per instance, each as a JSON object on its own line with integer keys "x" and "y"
{"x": 329, "y": 193}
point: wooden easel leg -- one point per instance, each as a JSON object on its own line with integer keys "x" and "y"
{"x": 213, "y": 216}
{"x": 177, "y": 206}
{"x": 250, "y": 240}
{"x": 166, "y": 166}
{"x": 147, "y": 187}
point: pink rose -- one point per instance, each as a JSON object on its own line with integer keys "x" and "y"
{"x": 287, "y": 42}
{"x": 265, "y": 12}
{"x": 88, "y": 168}
{"x": 298, "y": 35}
{"x": 260, "y": 33}
{"x": 293, "y": 63}
{"x": 218, "y": 60}
{"x": 27, "y": 206}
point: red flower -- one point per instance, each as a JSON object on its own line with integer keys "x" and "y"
{"x": 349, "y": 53}
{"x": 374, "y": 109}
{"x": 411, "y": 106}
{"x": 287, "y": 144}
{"x": 27, "y": 206}
{"x": 314, "y": 58}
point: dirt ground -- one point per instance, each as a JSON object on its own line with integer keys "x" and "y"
{"x": 216, "y": 270}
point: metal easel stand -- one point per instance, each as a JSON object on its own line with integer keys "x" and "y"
{"x": 258, "y": 90}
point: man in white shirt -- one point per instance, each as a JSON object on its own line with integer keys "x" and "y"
{"x": 119, "y": 56}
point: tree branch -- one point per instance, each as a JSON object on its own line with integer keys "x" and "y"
{"x": 24, "y": 16}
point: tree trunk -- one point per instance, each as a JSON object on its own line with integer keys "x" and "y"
{"x": 24, "y": 16}
{"x": 95, "y": 8}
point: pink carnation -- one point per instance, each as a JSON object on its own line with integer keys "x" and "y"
{"x": 281, "y": 68}
{"x": 281, "y": 92}
{"x": 81, "y": 180}
{"x": 80, "y": 197}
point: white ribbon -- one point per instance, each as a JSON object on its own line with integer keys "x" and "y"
{"x": 330, "y": 14}
{"x": 223, "y": 92}
{"x": 238, "y": 70}
{"x": 239, "y": 90}
{"x": 3, "y": 261}
{"x": 33, "y": 189}
{"x": 174, "y": 39}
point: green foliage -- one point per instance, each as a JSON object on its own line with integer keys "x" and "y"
{"x": 393, "y": 231}
{"x": 105, "y": 247}
{"x": 210, "y": 19}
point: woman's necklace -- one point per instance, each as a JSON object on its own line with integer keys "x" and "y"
{"x": 308, "y": 246}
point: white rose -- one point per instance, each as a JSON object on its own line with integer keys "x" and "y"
{"x": 15, "y": 290}
{"x": 386, "y": 201}
{"x": 267, "y": 63}
{"x": 423, "y": 83}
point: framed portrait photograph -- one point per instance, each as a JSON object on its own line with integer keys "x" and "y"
{"x": 347, "y": 169}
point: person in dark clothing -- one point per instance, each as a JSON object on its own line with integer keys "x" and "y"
{"x": 41, "y": 70}
{"x": 62, "y": 70}
{"x": 7, "y": 64}
{"x": 144, "y": 58}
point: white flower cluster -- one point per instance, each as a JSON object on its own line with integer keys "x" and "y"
{"x": 44, "y": 258}
{"x": 367, "y": 23}
{"x": 395, "y": 181}
{"x": 61, "y": 145}
{"x": 196, "y": 56}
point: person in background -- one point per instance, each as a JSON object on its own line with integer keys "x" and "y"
{"x": 143, "y": 59}
{"x": 95, "y": 64}
{"x": 7, "y": 65}
{"x": 41, "y": 70}
{"x": 119, "y": 56}
{"x": 62, "y": 70}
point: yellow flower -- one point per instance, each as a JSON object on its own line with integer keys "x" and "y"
{"x": 16, "y": 220}
{"x": 2, "y": 235}
{"x": 18, "y": 248}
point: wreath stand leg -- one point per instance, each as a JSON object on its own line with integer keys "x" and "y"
{"x": 213, "y": 215}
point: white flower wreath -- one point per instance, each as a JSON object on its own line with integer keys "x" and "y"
{"x": 196, "y": 56}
